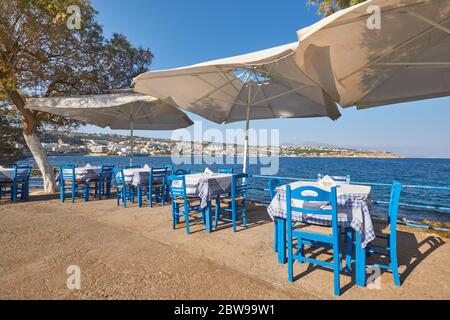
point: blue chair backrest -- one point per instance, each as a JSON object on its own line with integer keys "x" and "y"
{"x": 179, "y": 189}
{"x": 342, "y": 179}
{"x": 182, "y": 172}
{"x": 312, "y": 194}
{"x": 169, "y": 168}
{"x": 106, "y": 172}
{"x": 393, "y": 205}
{"x": 67, "y": 173}
{"x": 239, "y": 185}
{"x": 158, "y": 175}
{"x": 22, "y": 173}
{"x": 119, "y": 177}
{"x": 225, "y": 170}
{"x": 273, "y": 184}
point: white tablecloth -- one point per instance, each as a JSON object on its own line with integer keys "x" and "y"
{"x": 137, "y": 176}
{"x": 205, "y": 186}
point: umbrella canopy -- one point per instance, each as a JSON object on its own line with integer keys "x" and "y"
{"x": 219, "y": 90}
{"x": 407, "y": 58}
{"x": 261, "y": 85}
{"x": 121, "y": 111}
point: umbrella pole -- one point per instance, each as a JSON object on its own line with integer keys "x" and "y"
{"x": 247, "y": 127}
{"x": 131, "y": 139}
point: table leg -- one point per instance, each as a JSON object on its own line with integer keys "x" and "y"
{"x": 281, "y": 241}
{"x": 360, "y": 261}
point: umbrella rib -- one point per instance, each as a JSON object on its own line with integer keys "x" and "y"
{"x": 374, "y": 61}
{"x": 227, "y": 76}
{"x": 237, "y": 101}
{"x": 268, "y": 102}
{"x": 219, "y": 88}
{"x": 275, "y": 96}
{"x": 264, "y": 93}
{"x": 425, "y": 19}
{"x": 415, "y": 64}
{"x": 212, "y": 85}
{"x": 257, "y": 80}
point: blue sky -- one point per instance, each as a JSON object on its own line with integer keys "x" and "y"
{"x": 181, "y": 32}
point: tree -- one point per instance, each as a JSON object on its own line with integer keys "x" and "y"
{"x": 43, "y": 54}
{"x": 11, "y": 140}
{"x": 328, "y": 7}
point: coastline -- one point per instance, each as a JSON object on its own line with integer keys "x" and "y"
{"x": 252, "y": 156}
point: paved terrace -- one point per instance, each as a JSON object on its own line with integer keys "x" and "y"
{"x": 134, "y": 254}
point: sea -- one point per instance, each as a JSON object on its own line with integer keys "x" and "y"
{"x": 424, "y": 172}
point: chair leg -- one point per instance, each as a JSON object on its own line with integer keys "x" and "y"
{"x": 217, "y": 212}
{"x": 74, "y": 190}
{"x": 234, "y": 216}
{"x": 118, "y": 193}
{"x": 139, "y": 196}
{"x": 348, "y": 249}
{"x": 163, "y": 196}
{"x": 290, "y": 259}
{"x": 86, "y": 192}
{"x": 394, "y": 262}
{"x": 275, "y": 235}
{"x": 186, "y": 219}
{"x": 244, "y": 214}
{"x": 14, "y": 193}
{"x": 99, "y": 188}
{"x": 124, "y": 196}
{"x": 61, "y": 193}
{"x": 174, "y": 214}
{"x": 108, "y": 189}
{"x": 336, "y": 267}
{"x": 150, "y": 196}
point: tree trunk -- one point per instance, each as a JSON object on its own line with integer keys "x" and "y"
{"x": 40, "y": 156}
{"x": 30, "y": 134}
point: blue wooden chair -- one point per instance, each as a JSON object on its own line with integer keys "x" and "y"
{"x": 236, "y": 203}
{"x": 21, "y": 183}
{"x": 313, "y": 194}
{"x": 182, "y": 172}
{"x": 124, "y": 190}
{"x": 341, "y": 179}
{"x": 103, "y": 185}
{"x": 18, "y": 185}
{"x": 157, "y": 186}
{"x": 272, "y": 185}
{"x": 182, "y": 205}
{"x": 69, "y": 185}
{"x": 388, "y": 246}
{"x": 225, "y": 170}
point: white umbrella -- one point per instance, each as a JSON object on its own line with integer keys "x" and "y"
{"x": 121, "y": 111}
{"x": 260, "y": 85}
{"x": 407, "y": 59}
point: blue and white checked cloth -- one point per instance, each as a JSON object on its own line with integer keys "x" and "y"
{"x": 206, "y": 186}
{"x": 6, "y": 174}
{"x": 353, "y": 209}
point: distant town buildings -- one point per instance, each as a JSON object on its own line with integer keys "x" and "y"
{"x": 105, "y": 144}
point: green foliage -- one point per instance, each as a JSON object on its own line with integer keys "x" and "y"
{"x": 40, "y": 56}
{"x": 12, "y": 143}
{"x": 328, "y": 7}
